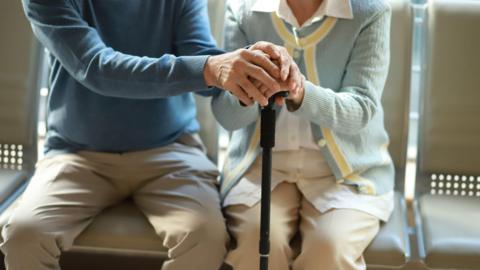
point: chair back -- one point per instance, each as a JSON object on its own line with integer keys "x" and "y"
{"x": 449, "y": 137}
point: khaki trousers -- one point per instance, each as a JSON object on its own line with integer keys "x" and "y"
{"x": 334, "y": 240}
{"x": 174, "y": 186}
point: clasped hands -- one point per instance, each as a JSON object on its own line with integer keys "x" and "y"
{"x": 257, "y": 73}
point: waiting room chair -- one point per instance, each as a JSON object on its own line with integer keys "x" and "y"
{"x": 391, "y": 248}
{"x": 19, "y": 88}
{"x": 448, "y": 170}
{"x": 20, "y": 56}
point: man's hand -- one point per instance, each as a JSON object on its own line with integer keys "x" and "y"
{"x": 264, "y": 62}
{"x": 233, "y": 71}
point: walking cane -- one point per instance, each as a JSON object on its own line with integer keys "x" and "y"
{"x": 267, "y": 142}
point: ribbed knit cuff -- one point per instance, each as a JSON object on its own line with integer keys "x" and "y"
{"x": 314, "y": 102}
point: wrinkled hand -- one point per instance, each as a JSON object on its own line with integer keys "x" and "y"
{"x": 263, "y": 62}
{"x": 295, "y": 95}
{"x": 233, "y": 71}
{"x": 290, "y": 74}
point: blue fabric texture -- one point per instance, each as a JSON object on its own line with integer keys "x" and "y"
{"x": 122, "y": 72}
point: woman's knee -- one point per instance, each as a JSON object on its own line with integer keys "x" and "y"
{"x": 248, "y": 237}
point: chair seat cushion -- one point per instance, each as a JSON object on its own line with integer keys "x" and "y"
{"x": 121, "y": 227}
{"x": 10, "y": 180}
{"x": 390, "y": 247}
{"x": 451, "y": 230}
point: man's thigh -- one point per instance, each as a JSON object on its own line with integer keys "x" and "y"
{"x": 179, "y": 193}
{"x": 64, "y": 194}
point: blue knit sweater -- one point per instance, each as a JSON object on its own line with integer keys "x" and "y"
{"x": 122, "y": 71}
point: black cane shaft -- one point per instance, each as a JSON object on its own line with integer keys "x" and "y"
{"x": 267, "y": 142}
{"x": 265, "y": 205}
{"x": 267, "y": 131}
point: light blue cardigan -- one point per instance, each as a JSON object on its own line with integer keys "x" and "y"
{"x": 346, "y": 64}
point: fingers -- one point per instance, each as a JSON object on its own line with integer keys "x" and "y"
{"x": 268, "y": 48}
{"x": 285, "y": 63}
{"x": 277, "y": 53}
{"x": 253, "y": 91}
{"x": 295, "y": 80}
{"x": 261, "y": 75}
{"x": 260, "y": 59}
{"x": 251, "y": 74}
{"x": 241, "y": 95}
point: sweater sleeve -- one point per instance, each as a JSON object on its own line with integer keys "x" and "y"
{"x": 226, "y": 107}
{"x": 352, "y": 107}
{"x": 59, "y": 26}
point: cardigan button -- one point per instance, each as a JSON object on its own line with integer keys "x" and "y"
{"x": 322, "y": 143}
{"x": 296, "y": 54}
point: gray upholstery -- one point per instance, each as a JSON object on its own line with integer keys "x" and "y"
{"x": 121, "y": 227}
{"x": 10, "y": 180}
{"x": 449, "y": 148}
{"x": 389, "y": 246}
{"x": 18, "y": 54}
{"x": 17, "y": 105}
{"x": 451, "y": 110}
{"x": 451, "y": 231}
{"x": 396, "y": 94}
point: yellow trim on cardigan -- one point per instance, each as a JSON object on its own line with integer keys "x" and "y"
{"x": 312, "y": 75}
{"x": 307, "y": 41}
{"x": 231, "y": 173}
{"x": 367, "y": 186}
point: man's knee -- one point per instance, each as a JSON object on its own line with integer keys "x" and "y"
{"x": 23, "y": 236}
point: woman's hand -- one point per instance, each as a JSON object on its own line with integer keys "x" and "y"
{"x": 295, "y": 95}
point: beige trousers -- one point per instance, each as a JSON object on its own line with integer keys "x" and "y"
{"x": 334, "y": 240}
{"x": 174, "y": 186}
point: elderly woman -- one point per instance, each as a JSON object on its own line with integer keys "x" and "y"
{"x": 332, "y": 179}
